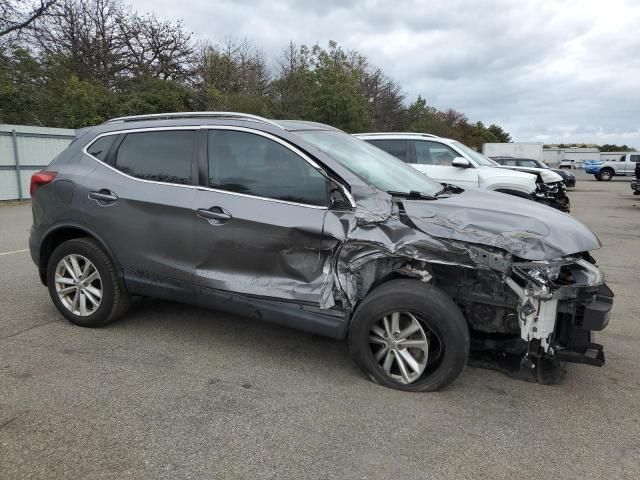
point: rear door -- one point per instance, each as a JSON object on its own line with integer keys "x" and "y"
{"x": 260, "y": 218}
{"x": 139, "y": 200}
{"x": 435, "y": 159}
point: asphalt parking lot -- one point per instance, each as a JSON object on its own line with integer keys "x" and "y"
{"x": 172, "y": 391}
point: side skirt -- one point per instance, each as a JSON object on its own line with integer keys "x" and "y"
{"x": 326, "y": 322}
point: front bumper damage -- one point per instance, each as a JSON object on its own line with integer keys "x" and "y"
{"x": 553, "y": 195}
{"x": 557, "y": 317}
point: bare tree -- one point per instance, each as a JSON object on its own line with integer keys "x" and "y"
{"x": 159, "y": 47}
{"x": 105, "y": 41}
{"x": 16, "y": 15}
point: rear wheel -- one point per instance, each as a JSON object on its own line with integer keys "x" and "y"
{"x": 84, "y": 284}
{"x": 606, "y": 174}
{"x": 410, "y": 336}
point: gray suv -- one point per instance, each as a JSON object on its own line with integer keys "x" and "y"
{"x": 303, "y": 225}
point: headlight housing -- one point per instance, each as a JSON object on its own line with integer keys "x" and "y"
{"x": 541, "y": 278}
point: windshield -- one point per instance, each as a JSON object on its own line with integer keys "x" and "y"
{"x": 371, "y": 164}
{"x": 479, "y": 158}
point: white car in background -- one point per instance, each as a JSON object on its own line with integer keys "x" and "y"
{"x": 450, "y": 161}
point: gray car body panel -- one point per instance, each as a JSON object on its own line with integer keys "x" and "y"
{"x": 300, "y": 266}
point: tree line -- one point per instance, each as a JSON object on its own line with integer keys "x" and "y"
{"x": 74, "y": 63}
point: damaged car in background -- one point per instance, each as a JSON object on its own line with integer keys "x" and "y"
{"x": 447, "y": 160}
{"x": 303, "y": 225}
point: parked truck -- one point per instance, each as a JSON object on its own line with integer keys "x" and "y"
{"x": 606, "y": 170}
{"x": 635, "y": 183}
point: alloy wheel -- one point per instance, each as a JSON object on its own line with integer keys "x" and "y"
{"x": 78, "y": 285}
{"x": 400, "y": 346}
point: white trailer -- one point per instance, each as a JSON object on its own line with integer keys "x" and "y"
{"x": 552, "y": 156}
{"x": 517, "y": 150}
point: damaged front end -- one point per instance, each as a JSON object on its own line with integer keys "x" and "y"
{"x": 560, "y": 303}
{"x": 529, "y": 301}
{"x": 553, "y": 194}
{"x": 525, "y": 318}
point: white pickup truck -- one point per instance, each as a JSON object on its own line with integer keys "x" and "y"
{"x": 450, "y": 161}
{"x": 605, "y": 171}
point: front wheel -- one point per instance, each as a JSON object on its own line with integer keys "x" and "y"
{"x": 410, "y": 336}
{"x": 84, "y": 284}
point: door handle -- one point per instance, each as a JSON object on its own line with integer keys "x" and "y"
{"x": 214, "y": 213}
{"x": 103, "y": 196}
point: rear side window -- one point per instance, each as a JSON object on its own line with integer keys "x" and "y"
{"x": 528, "y": 163}
{"x": 247, "y": 163}
{"x": 162, "y": 156}
{"x": 100, "y": 148}
{"x": 397, "y": 148}
{"x": 434, "y": 153}
{"x": 635, "y": 158}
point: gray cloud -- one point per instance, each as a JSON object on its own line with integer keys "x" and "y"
{"x": 552, "y": 70}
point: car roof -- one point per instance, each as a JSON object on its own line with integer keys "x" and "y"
{"x": 401, "y": 136}
{"x": 304, "y": 125}
{"x": 211, "y": 118}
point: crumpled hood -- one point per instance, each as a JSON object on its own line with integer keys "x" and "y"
{"x": 521, "y": 227}
{"x": 547, "y": 175}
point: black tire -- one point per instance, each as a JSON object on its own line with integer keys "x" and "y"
{"x": 435, "y": 310}
{"x": 606, "y": 174}
{"x": 115, "y": 298}
{"x": 597, "y": 175}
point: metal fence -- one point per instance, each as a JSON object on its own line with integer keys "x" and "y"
{"x": 25, "y": 150}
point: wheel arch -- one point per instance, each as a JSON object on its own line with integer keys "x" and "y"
{"x": 59, "y": 234}
{"x": 381, "y": 271}
{"x": 515, "y": 193}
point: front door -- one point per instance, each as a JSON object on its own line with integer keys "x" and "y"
{"x": 630, "y": 167}
{"x": 435, "y": 159}
{"x": 260, "y": 220}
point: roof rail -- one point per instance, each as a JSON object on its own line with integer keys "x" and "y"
{"x": 166, "y": 116}
{"x": 400, "y": 133}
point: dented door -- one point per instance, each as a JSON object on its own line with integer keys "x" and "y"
{"x": 260, "y": 216}
{"x": 260, "y": 247}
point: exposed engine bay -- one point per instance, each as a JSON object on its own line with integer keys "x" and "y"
{"x": 554, "y": 195}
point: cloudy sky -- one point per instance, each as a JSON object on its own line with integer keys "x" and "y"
{"x": 546, "y": 70}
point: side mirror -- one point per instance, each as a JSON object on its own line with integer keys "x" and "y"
{"x": 461, "y": 162}
{"x": 337, "y": 198}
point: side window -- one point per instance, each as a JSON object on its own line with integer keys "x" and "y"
{"x": 397, "y": 148}
{"x": 101, "y": 146}
{"x": 635, "y": 158}
{"x": 162, "y": 156}
{"x": 433, "y": 153}
{"x": 249, "y": 163}
{"x": 511, "y": 162}
{"x": 528, "y": 163}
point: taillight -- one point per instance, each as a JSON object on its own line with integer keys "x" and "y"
{"x": 40, "y": 178}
